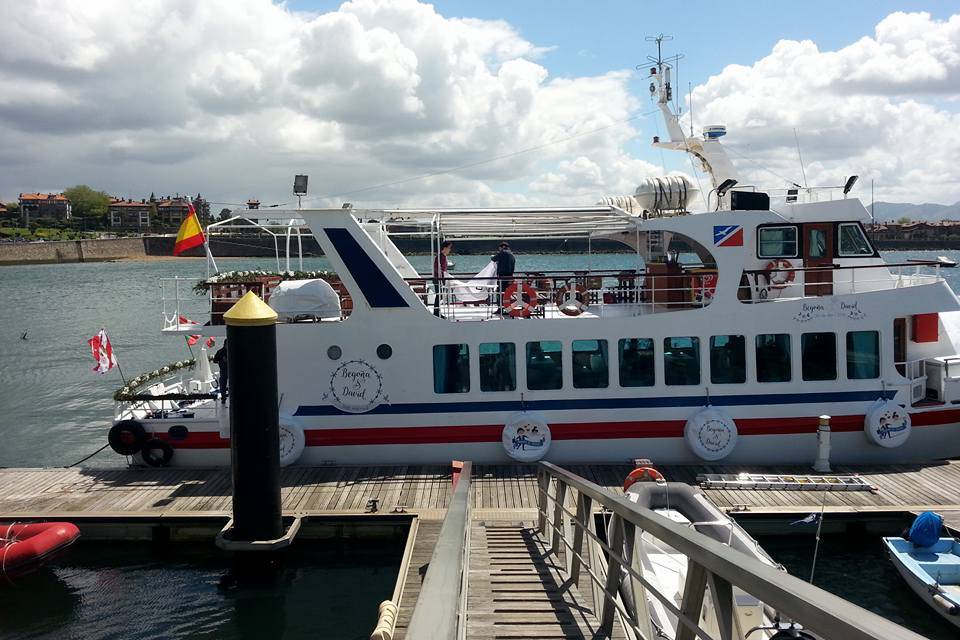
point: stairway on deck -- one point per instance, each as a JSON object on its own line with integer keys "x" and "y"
{"x": 518, "y": 588}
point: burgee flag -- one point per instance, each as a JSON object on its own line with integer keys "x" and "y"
{"x": 190, "y": 234}
{"x": 102, "y": 352}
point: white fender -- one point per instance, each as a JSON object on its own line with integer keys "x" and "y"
{"x": 711, "y": 434}
{"x": 292, "y": 441}
{"x": 526, "y": 437}
{"x": 887, "y": 424}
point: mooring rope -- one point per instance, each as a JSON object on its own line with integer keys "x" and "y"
{"x": 88, "y": 457}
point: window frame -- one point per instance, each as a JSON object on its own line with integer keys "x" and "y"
{"x": 790, "y": 358}
{"x": 526, "y": 365}
{"x": 653, "y": 364}
{"x": 514, "y": 363}
{"x": 879, "y": 353}
{"x": 836, "y": 368}
{"x": 603, "y": 347}
{"x": 864, "y": 235}
{"x": 696, "y": 346}
{"x": 797, "y": 240}
{"x": 710, "y": 348}
{"x": 433, "y": 362}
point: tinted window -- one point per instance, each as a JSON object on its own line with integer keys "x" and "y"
{"x": 863, "y": 355}
{"x": 681, "y": 360}
{"x": 816, "y": 243}
{"x": 777, "y": 242}
{"x": 636, "y": 362}
{"x": 451, "y": 368}
{"x": 544, "y": 365}
{"x": 773, "y": 357}
{"x": 818, "y": 353}
{"x": 853, "y": 242}
{"x": 498, "y": 366}
{"x": 590, "y": 366}
{"x": 728, "y": 360}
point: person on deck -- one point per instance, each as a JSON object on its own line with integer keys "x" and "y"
{"x": 220, "y": 357}
{"x": 505, "y": 266}
{"x": 440, "y": 273}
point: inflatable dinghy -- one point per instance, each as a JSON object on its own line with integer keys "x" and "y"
{"x": 25, "y": 547}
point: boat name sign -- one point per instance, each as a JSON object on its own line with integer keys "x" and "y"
{"x": 830, "y": 309}
{"x": 356, "y": 387}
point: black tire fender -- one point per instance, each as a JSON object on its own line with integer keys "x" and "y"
{"x": 157, "y": 453}
{"x": 127, "y": 437}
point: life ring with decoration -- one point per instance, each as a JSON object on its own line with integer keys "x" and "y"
{"x": 711, "y": 434}
{"x": 520, "y": 300}
{"x": 642, "y": 474}
{"x": 887, "y": 424}
{"x": 779, "y": 273}
{"x": 292, "y": 441}
{"x": 526, "y": 436}
{"x": 572, "y": 300}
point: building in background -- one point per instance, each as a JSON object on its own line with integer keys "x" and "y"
{"x": 34, "y": 206}
{"x": 129, "y": 214}
{"x": 253, "y": 203}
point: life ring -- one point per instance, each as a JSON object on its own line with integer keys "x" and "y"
{"x": 519, "y": 300}
{"x": 526, "y": 437}
{"x": 641, "y": 473}
{"x": 157, "y": 452}
{"x": 779, "y": 273}
{"x": 571, "y": 301}
{"x": 292, "y": 441}
{"x": 127, "y": 437}
{"x": 887, "y": 424}
{"x": 711, "y": 434}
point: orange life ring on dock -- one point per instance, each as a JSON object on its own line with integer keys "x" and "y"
{"x": 519, "y": 300}
{"x": 779, "y": 273}
{"x": 572, "y": 300}
{"x": 641, "y": 473}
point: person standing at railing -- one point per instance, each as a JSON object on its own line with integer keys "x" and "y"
{"x": 220, "y": 357}
{"x": 506, "y": 263}
{"x": 440, "y": 274}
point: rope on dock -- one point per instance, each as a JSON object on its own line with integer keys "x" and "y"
{"x": 82, "y": 460}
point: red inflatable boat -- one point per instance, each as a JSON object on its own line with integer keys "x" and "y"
{"x": 24, "y": 548}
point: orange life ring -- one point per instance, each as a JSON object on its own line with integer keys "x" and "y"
{"x": 572, "y": 300}
{"x": 640, "y": 473}
{"x": 780, "y": 273}
{"x": 519, "y": 300}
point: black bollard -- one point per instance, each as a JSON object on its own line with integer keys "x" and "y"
{"x": 254, "y": 419}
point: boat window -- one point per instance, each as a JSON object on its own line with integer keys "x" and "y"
{"x": 544, "y": 365}
{"x": 777, "y": 242}
{"x": 818, "y": 355}
{"x": 451, "y": 368}
{"x": 853, "y": 242}
{"x": 498, "y": 366}
{"x": 728, "y": 360}
{"x": 863, "y": 355}
{"x": 590, "y": 365}
{"x": 773, "y": 357}
{"x": 681, "y": 360}
{"x": 816, "y": 243}
{"x": 636, "y": 362}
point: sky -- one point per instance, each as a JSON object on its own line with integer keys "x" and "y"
{"x": 455, "y": 103}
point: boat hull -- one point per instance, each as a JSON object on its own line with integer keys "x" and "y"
{"x": 922, "y": 584}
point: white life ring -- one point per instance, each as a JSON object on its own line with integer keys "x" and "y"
{"x": 887, "y": 424}
{"x": 526, "y": 437}
{"x": 292, "y": 441}
{"x": 780, "y": 273}
{"x": 711, "y": 434}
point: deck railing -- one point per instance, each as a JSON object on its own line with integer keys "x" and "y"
{"x": 710, "y": 564}
{"x": 798, "y": 282}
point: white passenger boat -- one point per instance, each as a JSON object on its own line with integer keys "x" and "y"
{"x": 734, "y": 330}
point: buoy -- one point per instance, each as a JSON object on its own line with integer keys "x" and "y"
{"x": 711, "y": 434}
{"x": 887, "y": 424}
{"x": 526, "y": 437}
{"x": 642, "y": 474}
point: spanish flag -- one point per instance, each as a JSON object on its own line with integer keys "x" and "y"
{"x": 190, "y": 234}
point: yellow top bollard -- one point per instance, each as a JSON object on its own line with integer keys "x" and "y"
{"x": 250, "y": 311}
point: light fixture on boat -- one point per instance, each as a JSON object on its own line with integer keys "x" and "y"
{"x": 725, "y": 186}
{"x": 852, "y": 180}
{"x": 299, "y": 188}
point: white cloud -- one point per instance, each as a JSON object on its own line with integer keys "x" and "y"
{"x": 870, "y": 108}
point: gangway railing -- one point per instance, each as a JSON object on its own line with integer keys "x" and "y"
{"x": 440, "y": 611}
{"x": 709, "y": 564}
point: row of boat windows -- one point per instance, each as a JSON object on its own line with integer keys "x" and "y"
{"x": 784, "y": 242}
{"x": 635, "y": 360}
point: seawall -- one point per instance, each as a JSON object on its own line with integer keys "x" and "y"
{"x": 71, "y": 251}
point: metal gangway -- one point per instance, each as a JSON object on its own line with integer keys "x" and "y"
{"x": 571, "y": 564}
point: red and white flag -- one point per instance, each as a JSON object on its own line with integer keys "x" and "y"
{"x": 192, "y": 340}
{"x": 211, "y": 342}
{"x": 102, "y": 352}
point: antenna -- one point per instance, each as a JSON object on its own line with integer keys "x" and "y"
{"x": 690, "y": 100}
{"x": 802, "y": 170}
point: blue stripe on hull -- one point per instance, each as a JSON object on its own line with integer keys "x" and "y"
{"x": 564, "y": 404}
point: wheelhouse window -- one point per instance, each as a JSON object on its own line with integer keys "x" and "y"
{"x": 681, "y": 360}
{"x": 451, "y": 368}
{"x": 544, "y": 365}
{"x": 777, "y": 242}
{"x": 498, "y": 366}
{"x": 728, "y": 360}
{"x": 773, "y": 357}
{"x": 590, "y": 364}
{"x": 636, "y": 362}
{"x": 818, "y": 353}
{"x": 853, "y": 241}
{"x": 863, "y": 355}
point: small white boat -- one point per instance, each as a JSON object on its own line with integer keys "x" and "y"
{"x": 932, "y": 572}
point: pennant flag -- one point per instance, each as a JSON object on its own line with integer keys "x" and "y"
{"x": 184, "y": 323}
{"x": 102, "y": 352}
{"x": 813, "y": 518}
{"x": 728, "y": 235}
{"x": 192, "y": 340}
{"x": 211, "y": 342}
{"x": 190, "y": 234}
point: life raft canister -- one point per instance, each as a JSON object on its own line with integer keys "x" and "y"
{"x": 711, "y": 434}
{"x": 292, "y": 441}
{"x": 779, "y": 273}
{"x": 519, "y": 300}
{"x": 641, "y": 474}
{"x": 887, "y": 424}
{"x": 127, "y": 437}
{"x": 526, "y": 437}
{"x": 572, "y": 300}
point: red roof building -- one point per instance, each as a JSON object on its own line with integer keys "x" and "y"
{"x": 44, "y": 205}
